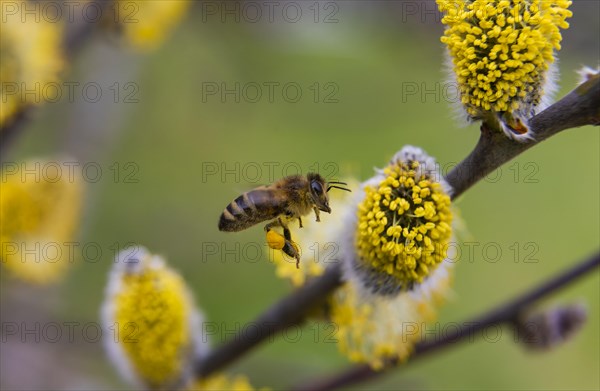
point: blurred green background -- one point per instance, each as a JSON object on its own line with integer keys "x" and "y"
{"x": 548, "y": 196}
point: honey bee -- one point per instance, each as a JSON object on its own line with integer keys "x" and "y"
{"x": 286, "y": 200}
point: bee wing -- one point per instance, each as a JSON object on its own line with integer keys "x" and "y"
{"x": 247, "y": 188}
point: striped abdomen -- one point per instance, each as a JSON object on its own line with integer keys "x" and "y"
{"x": 251, "y": 208}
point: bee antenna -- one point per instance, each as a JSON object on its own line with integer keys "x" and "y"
{"x": 338, "y": 183}
{"x": 338, "y": 187}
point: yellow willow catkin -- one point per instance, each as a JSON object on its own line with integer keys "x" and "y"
{"x": 501, "y": 50}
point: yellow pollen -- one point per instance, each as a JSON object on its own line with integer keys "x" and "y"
{"x": 501, "y": 50}
{"x": 405, "y": 232}
{"x": 152, "y": 313}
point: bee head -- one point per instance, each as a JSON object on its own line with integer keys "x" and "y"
{"x": 318, "y": 191}
{"x": 317, "y": 186}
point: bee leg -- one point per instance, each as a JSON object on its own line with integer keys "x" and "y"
{"x": 274, "y": 223}
{"x": 300, "y": 221}
{"x": 290, "y": 247}
{"x": 287, "y": 234}
{"x": 317, "y": 213}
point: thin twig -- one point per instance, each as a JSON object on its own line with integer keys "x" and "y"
{"x": 9, "y": 132}
{"x": 580, "y": 107}
{"x": 505, "y": 313}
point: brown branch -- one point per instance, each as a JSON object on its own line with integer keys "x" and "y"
{"x": 580, "y": 107}
{"x": 506, "y": 313}
{"x": 283, "y": 314}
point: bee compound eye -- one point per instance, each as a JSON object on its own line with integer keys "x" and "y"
{"x": 316, "y": 187}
